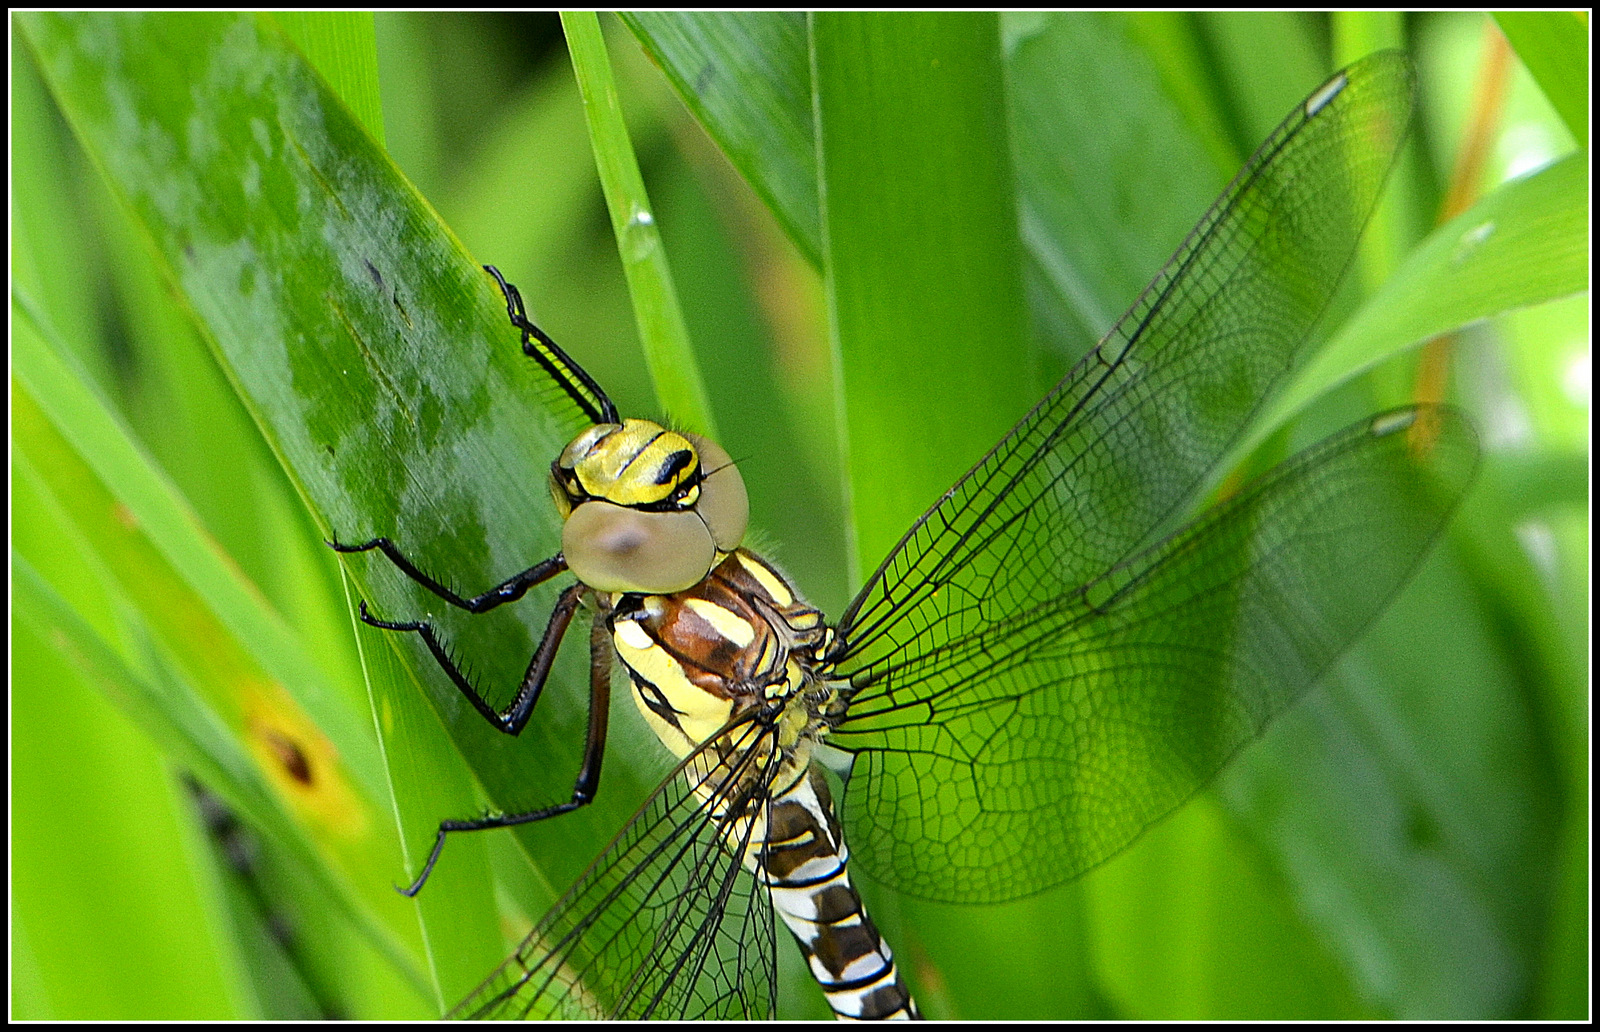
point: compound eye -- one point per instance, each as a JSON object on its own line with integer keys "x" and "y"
{"x": 724, "y": 504}
{"x": 616, "y": 549}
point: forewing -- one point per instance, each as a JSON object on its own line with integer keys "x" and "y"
{"x": 1023, "y": 754}
{"x": 1130, "y": 434}
{"x": 666, "y": 923}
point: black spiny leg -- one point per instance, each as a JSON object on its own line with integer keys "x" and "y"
{"x": 592, "y": 401}
{"x": 509, "y": 590}
{"x": 514, "y": 717}
{"x": 594, "y": 742}
{"x": 537, "y": 345}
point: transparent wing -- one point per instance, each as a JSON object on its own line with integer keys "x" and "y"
{"x": 1019, "y": 756}
{"x": 667, "y": 922}
{"x": 1132, "y": 431}
{"x": 1045, "y": 718}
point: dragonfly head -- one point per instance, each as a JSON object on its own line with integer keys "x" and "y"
{"x": 647, "y": 509}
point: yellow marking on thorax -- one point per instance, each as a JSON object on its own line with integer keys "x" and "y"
{"x": 730, "y": 625}
{"x": 773, "y": 586}
{"x": 700, "y": 714}
{"x": 793, "y": 678}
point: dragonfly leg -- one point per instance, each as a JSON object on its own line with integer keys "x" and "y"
{"x": 514, "y": 717}
{"x": 508, "y": 590}
{"x": 515, "y": 309}
{"x": 539, "y": 346}
{"x": 588, "y": 780}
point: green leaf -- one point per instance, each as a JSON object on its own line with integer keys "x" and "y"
{"x": 359, "y": 336}
{"x": 1555, "y": 47}
{"x": 746, "y": 76}
{"x": 925, "y": 283}
{"x": 1475, "y": 267}
{"x": 920, "y": 246}
{"x": 232, "y": 695}
{"x": 667, "y": 351}
{"x": 342, "y": 47}
{"x": 123, "y": 939}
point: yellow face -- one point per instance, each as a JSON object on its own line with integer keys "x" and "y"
{"x": 638, "y": 464}
{"x": 648, "y": 510}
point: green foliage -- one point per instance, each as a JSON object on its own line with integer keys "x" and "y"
{"x": 239, "y": 328}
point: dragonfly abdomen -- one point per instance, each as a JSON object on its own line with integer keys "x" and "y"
{"x": 806, "y": 869}
{"x": 743, "y": 640}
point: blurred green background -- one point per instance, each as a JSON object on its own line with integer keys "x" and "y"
{"x": 1411, "y": 841}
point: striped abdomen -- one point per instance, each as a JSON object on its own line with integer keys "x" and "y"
{"x": 740, "y": 639}
{"x": 806, "y": 868}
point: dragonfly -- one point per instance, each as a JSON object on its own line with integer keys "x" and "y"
{"x": 1035, "y": 674}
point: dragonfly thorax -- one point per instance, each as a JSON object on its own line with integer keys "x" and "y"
{"x": 739, "y": 641}
{"x": 648, "y": 510}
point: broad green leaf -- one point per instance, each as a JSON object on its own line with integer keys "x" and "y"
{"x": 341, "y": 46}
{"x": 1088, "y": 96}
{"x": 123, "y": 939}
{"x": 924, "y": 277}
{"x": 376, "y": 358}
{"x": 231, "y": 695}
{"x": 921, "y": 249}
